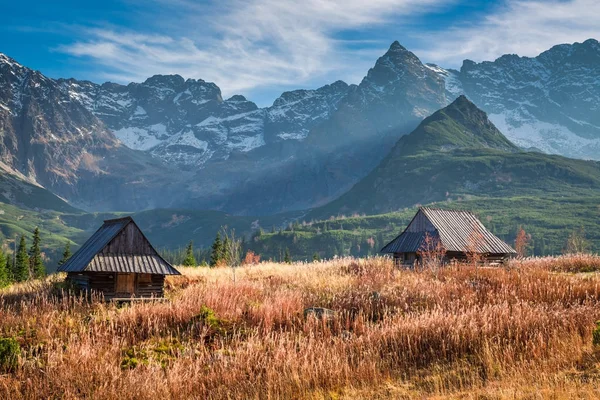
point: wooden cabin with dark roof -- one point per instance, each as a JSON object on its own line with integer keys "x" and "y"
{"x": 119, "y": 262}
{"x": 459, "y": 233}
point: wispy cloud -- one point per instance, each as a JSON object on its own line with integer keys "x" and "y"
{"x": 245, "y": 44}
{"x": 252, "y": 45}
{"x": 523, "y": 27}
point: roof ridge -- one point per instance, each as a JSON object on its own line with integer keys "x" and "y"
{"x": 116, "y": 220}
{"x": 446, "y": 209}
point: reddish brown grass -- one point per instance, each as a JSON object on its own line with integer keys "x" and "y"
{"x": 524, "y": 331}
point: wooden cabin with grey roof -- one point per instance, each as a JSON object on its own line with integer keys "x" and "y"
{"x": 458, "y": 233}
{"x": 119, "y": 262}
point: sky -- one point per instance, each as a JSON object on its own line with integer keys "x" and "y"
{"x": 260, "y": 48}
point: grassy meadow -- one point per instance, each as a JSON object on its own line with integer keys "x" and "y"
{"x": 525, "y": 330}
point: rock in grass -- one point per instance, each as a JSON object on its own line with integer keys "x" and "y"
{"x": 319, "y": 312}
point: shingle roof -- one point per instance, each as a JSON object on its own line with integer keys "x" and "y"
{"x": 458, "y": 231}
{"x": 90, "y": 258}
{"x": 407, "y": 242}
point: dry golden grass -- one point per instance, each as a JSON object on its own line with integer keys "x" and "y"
{"x": 468, "y": 333}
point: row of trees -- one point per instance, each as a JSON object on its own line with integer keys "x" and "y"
{"x": 25, "y": 263}
{"x": 226, "y": 250}
{"x": 576, "y": 243}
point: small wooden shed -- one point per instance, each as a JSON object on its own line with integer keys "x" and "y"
{"x": 119, "y": 262}
{"x": 457, "y": 232}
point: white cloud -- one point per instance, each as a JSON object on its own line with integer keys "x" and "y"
{"x": 521, "y": 27}
{"x": 256, "y": 44}
{"x": 251, "y": 43}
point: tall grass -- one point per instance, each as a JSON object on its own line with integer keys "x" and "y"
{"x": 520, "y": 331}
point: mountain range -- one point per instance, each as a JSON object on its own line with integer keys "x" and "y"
{"x": 125, "y": 147}
{"x": 458, "y": 153}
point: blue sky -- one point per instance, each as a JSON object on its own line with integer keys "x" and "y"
{"x": 260, "y": 48}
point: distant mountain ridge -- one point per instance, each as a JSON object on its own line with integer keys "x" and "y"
{"x": 54, "y": 141}
{"x": 187, "y": 122}
{"x": 122, "y": 147}
{"x": 550, "y": 102}
{"x": 458, "y": 153}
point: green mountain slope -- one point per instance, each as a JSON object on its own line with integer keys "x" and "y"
{"x": 549, "y": 221}
{"x": 19, "y": 192}
{"x": 456, "y": 159}
{"x": 457, "y": 153}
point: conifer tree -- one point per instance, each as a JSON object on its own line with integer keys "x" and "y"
{"x": 9, "y": 269}
{"x": 216, "y": 251}
{"x": 4, "y": 272}
{"x": 37, "y": 267}
{"x": 66, "y": 254}
{"x": 225, "y": 251}
{"x": 21, "y": 267}
{"x": 316, "y": 256}
{"x": 286, "y": 257}
{"x": 190, "y": 260}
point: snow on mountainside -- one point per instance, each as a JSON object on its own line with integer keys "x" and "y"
{"x": 50, "y": 138}
{"x": 550, "y": 102}
{"x": 114, "y": 146}
{"x": 187, "y": 122}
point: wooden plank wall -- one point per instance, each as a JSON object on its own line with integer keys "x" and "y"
{"x": 420, "y": 224}
{"x": 104, "y": 282}
{"x": 154, "y": 288}
{"x": 129, "y": 241}
{"x": 79, "y": 279}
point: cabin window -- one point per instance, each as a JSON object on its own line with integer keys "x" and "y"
{"x": 144, "y": 279}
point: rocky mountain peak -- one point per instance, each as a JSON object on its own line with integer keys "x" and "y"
{"x": 460, "y": 125}
{"x": 237, "y": 98}
{"x": 4, "y": 59}
{"x": 396, "y": 47}
{"x": 592, "y": 44}
{"x": 400, "y": 69}
{"x": 168, "y": 81}
{"x": 549, "y": 102}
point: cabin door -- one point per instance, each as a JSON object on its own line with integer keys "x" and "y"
{"x": 125, "y": 284}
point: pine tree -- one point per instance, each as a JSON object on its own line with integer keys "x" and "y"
{"x": 66, "y": 254}
{"x": 37, "y": 267}
{"x": 4, "y": 272}
{"x": 216, "y": 252}
{"x": 286, "y": 257}
{"x": 21, "y": 267}
{"x": 316, "y": 256}
{"x": 9, "y": 269}
{"x": 225, "y": 251}
{"x": 190, "y": 260}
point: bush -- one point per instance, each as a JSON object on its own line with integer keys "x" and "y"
{"x": 596, "y": 335}
{"x": 132, "y": 357}
{"x": 9, "y": 354}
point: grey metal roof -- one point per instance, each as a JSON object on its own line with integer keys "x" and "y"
{"x": 407, "y": 242}
{"x": 458, "y": 231}
{"x": 146, "y": 264}
{"x": 89, "y": 257}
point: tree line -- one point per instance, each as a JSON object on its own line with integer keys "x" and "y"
{"x": 25, "y": 262}
{"x": 227, "y": 249}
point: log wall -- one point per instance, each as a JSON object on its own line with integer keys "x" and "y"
{"x": 146, "y": 285}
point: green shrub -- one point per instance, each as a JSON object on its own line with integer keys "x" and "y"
{"x": 132, "y": 357}
{"x": 209, "y": 317}
{"x": 9, "y": 354}
{"x": 596, "y": 334}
